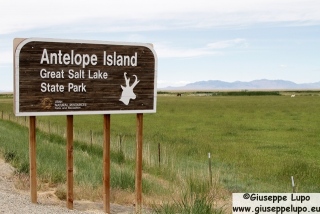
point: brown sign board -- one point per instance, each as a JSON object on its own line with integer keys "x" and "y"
{"x": 73, "y": 77}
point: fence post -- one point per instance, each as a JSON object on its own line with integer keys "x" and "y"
{"x": 159, "y": 154}
{"x": 210, "y": 171}
{"x": 121, "y": 137}
{"x": 293, "y": 186}
{"x": 91, "y": 138}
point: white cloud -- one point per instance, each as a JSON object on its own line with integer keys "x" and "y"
{"x": 168, "y": 52}
{"x": 6, "y": 57}
{"x": 283, "y": 66}
{"x": 215, "y": 48}
{"x": 226, "y": 43}
{"x": 33, "y": 14}
{"x": 166, "y": 83}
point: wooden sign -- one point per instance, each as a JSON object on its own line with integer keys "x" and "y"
{"x": 71, "y": 77}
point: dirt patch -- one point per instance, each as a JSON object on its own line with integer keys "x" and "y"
{"x": 6, "y": 170}
{"x": 17, "y": 187}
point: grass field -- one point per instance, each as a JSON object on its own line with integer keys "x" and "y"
{"x": 256, "y": 143}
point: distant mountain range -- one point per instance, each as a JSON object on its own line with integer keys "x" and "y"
{"x": 262, "y": 84}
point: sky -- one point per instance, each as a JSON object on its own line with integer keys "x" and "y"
{"x": 201, "y": 40}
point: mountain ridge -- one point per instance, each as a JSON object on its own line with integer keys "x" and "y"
{"x": 260, "y": 84}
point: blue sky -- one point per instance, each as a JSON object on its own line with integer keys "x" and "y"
{"x": 199, "y": 40}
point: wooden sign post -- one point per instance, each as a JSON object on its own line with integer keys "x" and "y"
{"x": 77, "y": 77}
{"x": 138, "y": 182}
{"x": 106, "y": 163}
{"x": 70, "y": 161}
{"x": 32, "y": 158}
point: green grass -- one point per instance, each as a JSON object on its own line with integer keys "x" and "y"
{"x": 51, "y": 159}
{"x": 256, "y": 142}
{"x": 189, "y": 204}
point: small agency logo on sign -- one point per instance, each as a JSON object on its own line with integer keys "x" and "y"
{"x": 60, "y": 77}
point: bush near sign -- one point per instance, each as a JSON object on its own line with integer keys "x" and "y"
{"x": 69, "y": 77}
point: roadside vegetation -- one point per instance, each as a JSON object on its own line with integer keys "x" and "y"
{"x": 257, "y": 142}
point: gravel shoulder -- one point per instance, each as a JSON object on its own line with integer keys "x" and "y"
{"x": 16, "y": 201}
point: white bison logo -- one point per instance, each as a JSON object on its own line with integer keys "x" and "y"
{"x": 127, "y": 91}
